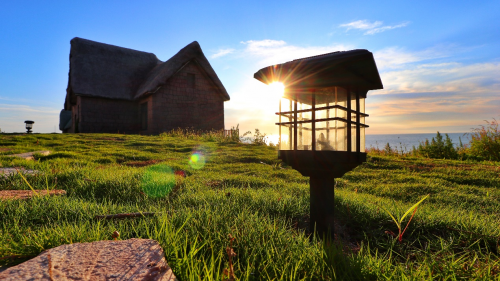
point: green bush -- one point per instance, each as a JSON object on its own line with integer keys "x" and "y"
{"x": 485, "y": 142}
{"x": 438, "y": 148}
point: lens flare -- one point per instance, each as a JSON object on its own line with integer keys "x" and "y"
{"x": 197, "y": 160}
{"x": 158, "y": 181}
{"x": 277, "y": 88}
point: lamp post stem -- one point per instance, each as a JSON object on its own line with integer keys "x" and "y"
{"x": 321, "y": 209}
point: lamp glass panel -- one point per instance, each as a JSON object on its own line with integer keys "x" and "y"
{"x": 286, "y": 105}
{"x": 341, "y": 100}
{"x": 304, "y": 130}
{"x": 286, "y": 140}
{"x": 363, "y": 143}
{"x": 329, "y": 135}
{"x": 325, "y": 136}
{"x": 304, "y": 136}
{"x": 286, "y": 131}
{"x": 353, "y": 101}
{"x": 362, "y": 121}
{"x": 340, "y": 136}
{"x": 29, "y": 126}
{"x": 353, "y": 137}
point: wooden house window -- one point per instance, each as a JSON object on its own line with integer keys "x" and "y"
{"x": 143, "y": 113}
{"x": 191, "y": 80}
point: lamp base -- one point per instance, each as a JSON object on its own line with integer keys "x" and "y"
{"x": 322, "y": 204}
{"x": 322, "y": 167}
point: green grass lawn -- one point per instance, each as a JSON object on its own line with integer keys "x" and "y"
{"x": 244, "y": 191}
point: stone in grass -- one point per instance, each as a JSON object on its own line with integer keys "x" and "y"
{"x": 12, "y": 171}
{"x": 133, "y": 259}
{"x": 27, "y": 194}
{"x": 29, "y": 155}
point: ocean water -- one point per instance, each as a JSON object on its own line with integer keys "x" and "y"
{"x": 406, "y": 142}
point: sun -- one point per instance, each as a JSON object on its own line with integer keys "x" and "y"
{"x": 277, "y": 88}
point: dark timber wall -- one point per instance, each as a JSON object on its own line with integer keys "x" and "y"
{"x": 98, "y": 115}
{"x": 182, "y": 103}
{"x": 189, "y": 99}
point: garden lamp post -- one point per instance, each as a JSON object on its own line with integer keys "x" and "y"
{"x": 322, "y": 120}
{"x": 29, "y": 126}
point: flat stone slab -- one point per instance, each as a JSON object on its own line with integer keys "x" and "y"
{"x": 27, "y": 194}
{"x": 29, "y": 155}
{"x": 133, "y": 259}
{"x": 12, "y": 171}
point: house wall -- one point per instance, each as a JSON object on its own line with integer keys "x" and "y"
{"x": 151, "y": 126}
{"x": 98, "y": 115}
{"x": 176, "y": 104}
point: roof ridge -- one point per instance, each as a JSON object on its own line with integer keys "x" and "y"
{"x": 163, "y": 71}
{"x": 335, "y": 52}
{"x": 108, "y": 45}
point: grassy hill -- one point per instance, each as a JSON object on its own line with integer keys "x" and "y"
{"x": 205, "y": 190}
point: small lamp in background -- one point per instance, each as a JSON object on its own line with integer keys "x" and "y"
{"x": 29, "y": 126}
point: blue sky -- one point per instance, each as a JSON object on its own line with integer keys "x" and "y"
{"x": 439, "y": 60}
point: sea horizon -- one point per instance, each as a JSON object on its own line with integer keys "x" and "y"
{"x": 405, "y": 142}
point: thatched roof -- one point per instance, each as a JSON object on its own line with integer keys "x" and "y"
{"x": 162, "y": 72}
{"x": 107, "y": 71}
{"x": 352, "y": 69}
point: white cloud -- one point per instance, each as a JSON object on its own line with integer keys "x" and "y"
{"x": 449, "y": 96}
{"x": 268, "y": 52}
{"x": 396, "y": 57}
{"x": 362, "y": 24}
{"x": 371, "y": 28}
{"x": 26, "y": 109}
{"x": 221, "y": 53}
{"x": 472, "y": 79}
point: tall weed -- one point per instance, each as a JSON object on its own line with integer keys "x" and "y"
{"x": 485, "y": 141}
{"x": 219, "y": 136}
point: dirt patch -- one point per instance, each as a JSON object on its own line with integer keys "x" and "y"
{"x": 214, "y": 183}
{"x": 27, "y": 194}
{"x": 5, "y": 149}
{"x": 29, "y": 155}
{"x": 421, "y": 167}
{"x": 142, "y": 163}
{"x": 110, "y": 139}
{"x": 341, "y": 235}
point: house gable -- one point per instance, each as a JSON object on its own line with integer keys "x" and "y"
{"x": 162, "y": 72}
{"x": 181, "y": 103}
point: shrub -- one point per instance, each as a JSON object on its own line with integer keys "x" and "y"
{"x": 437, "y": 148}
{"x": 387, "y": 150}
{"x": 485, "y": 142}
{"x": 258, "y": 137}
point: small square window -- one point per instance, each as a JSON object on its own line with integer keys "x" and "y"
{"x": 191, "y": 80}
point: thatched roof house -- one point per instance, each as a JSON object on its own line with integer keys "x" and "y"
{"x": 113, "y": 89}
